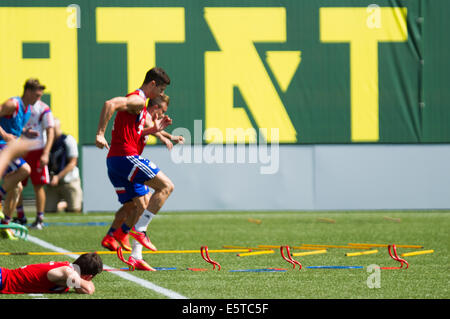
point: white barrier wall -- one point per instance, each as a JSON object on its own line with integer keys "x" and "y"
{"x": 311, "y": 177}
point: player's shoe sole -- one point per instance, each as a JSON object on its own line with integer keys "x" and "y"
{"x": 140, "y": 264}
{"x": 142, "y": 238}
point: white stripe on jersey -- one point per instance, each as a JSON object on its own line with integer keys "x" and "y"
{"x": 141, "y": 166}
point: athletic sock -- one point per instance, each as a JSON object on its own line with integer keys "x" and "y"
{"x": 125, "y": 228}
{"x": 111, "y": 231}
{"x": 40, "y": 217}
{"x": 20, "y": 212}
{"x": 136, "y": 253}
{"x": 144, "y": 220}
{"x": 6, "y": 220}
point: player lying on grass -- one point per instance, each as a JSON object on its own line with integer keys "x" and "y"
{"x": 156, "y": 108}
{"x": 130, "y": 174}
{"x": 52, "y": 277}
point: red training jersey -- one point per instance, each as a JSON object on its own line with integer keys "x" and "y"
{"x": 31, "y": 279}
{"x": 126, "y": 135}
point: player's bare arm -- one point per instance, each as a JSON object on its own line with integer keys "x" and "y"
{"x": 132, "y": 104}
{"x": 158, "y": 126}
{"x": 6, "y": 109}
{"x": 174, "y": 138}
{"x": 65, "y": 276}
{"x": 48, "y": 145}
{"x": 166, "y": 141}
{"x": 70, "y": 165}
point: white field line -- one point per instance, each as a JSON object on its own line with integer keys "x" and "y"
{"x": 142, "y": 282}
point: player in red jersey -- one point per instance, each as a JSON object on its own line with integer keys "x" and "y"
{"x": 52, "y": 277}
{"x": 156, "y": 108}
{"x": 130, "y": 174}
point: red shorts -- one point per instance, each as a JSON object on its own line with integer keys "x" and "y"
{"x": 39, "y": 175}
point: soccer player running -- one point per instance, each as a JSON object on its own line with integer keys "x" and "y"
{"x": 14, "y": 114}
{"x": 156, "y": 108}
{"x": 130, "y": 174}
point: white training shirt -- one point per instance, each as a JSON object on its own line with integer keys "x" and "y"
{"x": 72, "y": 151}
{"x": 41, "y": 119}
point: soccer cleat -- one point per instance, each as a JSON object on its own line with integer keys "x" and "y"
{"x": 110, "y": 243}
{"x": 20, "y": 221}
{"x": 123, "y": 239}
{"x": 37, "y": 225}
{"x": 8, "y": 234}
{"x": 140, "y": 264}
{"x": 142, "y": 238}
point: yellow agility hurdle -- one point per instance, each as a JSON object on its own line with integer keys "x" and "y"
{"x": 370, "y": 252}
{"x": 415, "y": 253}
{"x": 263, "y": 252}
{"x": 384, "y": 245}
{"x": 323, "y": 251}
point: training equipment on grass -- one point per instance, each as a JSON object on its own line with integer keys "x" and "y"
{"x": 369, "y": 252}
{"x": 255, "y": 221}
{"x": 330, "y": 246}
{"x": 156, "y": 268}
{"x": 20, "y": 231}
{"x": 262, "y": 252}
{"x": 260, "y": 270}
{"x": 205, "y": 256}
{"x": 120, "y": 255}
{"x": 397, "y": 220}
{"x": 384, "y": 245}
{"x": 392, "y": 250}
{"x": 289, "y": 258}
{"x": 243, "y": 247}
{"x": 415, "y": 253}
{"x": 335, "y": 267}
{"x": 107, "y": 252}
{"x": 316, "y": 252}
{"x": 292, "y": 247}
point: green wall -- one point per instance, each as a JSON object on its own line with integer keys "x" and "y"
{"x": 289, "y": 66}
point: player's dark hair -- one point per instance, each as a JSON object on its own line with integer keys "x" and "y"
{"x": 33, "y": 84}
{"x": 158, "y": 75}
{"x": 90, "y": 264}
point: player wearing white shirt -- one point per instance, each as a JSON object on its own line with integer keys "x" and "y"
{"x": 42, "y": 121}
{"x": 65, "y": 184}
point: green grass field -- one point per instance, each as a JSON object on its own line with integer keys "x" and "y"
{"x": 426, "y": 278}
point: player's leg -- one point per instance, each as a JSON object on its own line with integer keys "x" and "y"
{"x": 10, "y": 189}
{"x": 40, "y": 205}
{"x": 121, "y": 215}
{"x": 139, "y": 231}
{"x": 148, "y": 173}
{"x": 11, "y": 199}
{"x": 163, "y": 187}
{"x": 21, "y": 218}
{"x": 39, "y": 177}
{"x": 121, "y": 173}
